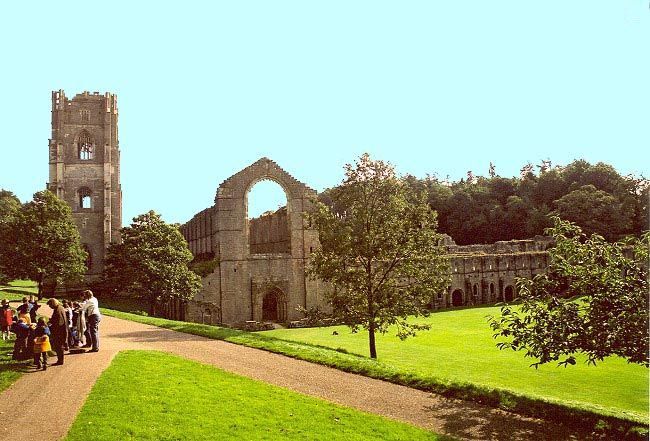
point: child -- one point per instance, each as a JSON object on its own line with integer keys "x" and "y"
{"x": 41, "y": 344}
{"x": 21, "y": 329}
{"x": 23, "y": 311}
{"x": 6, "y": 319}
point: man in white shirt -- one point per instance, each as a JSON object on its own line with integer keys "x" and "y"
{"x": 93, "y": 317}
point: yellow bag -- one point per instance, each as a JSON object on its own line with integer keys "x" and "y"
{"x": 42, "y": 344}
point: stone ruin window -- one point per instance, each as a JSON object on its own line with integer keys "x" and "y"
{"x": 85, "y": 116}
{"x": 86, "y": 147}
{"x": 267, "y": 219}
{"x": 85, "y": 199}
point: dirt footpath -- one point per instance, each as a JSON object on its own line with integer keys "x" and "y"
{"x": 43, "y": 405}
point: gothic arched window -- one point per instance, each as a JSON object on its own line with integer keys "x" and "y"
{"x": 86, "y": 146}
{"x": 85, "y": 201}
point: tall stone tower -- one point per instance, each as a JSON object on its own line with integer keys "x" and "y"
{"x": 85, "y": 169}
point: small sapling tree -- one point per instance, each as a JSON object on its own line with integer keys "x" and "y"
{"x": 379, "y": 251}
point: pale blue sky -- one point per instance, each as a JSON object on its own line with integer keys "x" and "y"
{"x": 206, "y": 88}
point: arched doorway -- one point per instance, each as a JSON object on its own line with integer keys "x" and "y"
{"x": 206, "y": 316}
{"x": 270, "y": 307}
{"x": 457, "y": 297}
{"x": 509, "y": 293}
{"x": 274, "y": 306}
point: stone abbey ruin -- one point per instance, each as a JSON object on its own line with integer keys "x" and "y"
{"x": 260, "y": 270}
{"x": 260, "y": 263}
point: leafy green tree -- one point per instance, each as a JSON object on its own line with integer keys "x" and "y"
{"x": 151, "y": 262}
{"x": 45, "y": 244}
{"x": 9, "y": 209}
{"x": 379, "y": 251}
{"x": 596, "y": 211}
{"x": 592, "y": 300}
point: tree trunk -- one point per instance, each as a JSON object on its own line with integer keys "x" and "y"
{"x": 39, "y": 283}
{"x": 152, "y": 307}
{"x": 371, "y": 340}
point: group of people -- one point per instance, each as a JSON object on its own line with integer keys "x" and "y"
{"x": 73, "y": 324}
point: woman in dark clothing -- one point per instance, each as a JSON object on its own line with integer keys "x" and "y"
{"x": 58, "y": 328}
{"x": 34, "y": 307}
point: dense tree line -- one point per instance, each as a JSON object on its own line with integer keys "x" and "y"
{"x": 489, "y": 209}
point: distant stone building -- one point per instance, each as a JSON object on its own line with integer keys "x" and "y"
{"x": 484, "y": 274}
{"x": 260, "y": 263}
{"x": 85, "y": 169}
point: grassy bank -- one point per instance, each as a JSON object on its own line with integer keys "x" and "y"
{"x": 569, "y": 412}
{"x": 181, "y": 399}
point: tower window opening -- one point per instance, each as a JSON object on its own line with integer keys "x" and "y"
{"x": 85, "y": 200}
{"x": 86, "y": 147}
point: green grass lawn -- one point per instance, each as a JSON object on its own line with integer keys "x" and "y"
{"x": 459, "y": 347}
{"x": 17, "y": 289}
{"x": 10, "y": 370}
{"x": 586, "y": 415}
{"x": 148, "y": 395}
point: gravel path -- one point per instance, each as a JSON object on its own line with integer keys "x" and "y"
{"x": 43, "y": 405}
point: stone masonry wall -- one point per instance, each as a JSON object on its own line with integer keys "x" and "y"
{"x": 269, "y": 233}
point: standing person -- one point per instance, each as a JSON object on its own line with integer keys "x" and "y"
{"x": 79, "y": 323}
{"x": 6, "y": 319}
{"x": 23, "y": 311}
{"x": 58, "y": 328}
{"x": 93, "y": 317}
{"x": 67, "y": 306}
{"x": 41, "y": 344}
{"x": 21, "y": 329}
{"x": 33, "y": 301}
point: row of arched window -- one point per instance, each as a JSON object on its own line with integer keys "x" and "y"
{"x": 85, "y": 146}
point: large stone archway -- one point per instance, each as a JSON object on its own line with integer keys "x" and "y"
{"x": 241, "y": 279}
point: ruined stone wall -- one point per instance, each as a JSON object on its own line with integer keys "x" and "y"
{"x": 261, "y": 269}
{"x": 200, "y": 233}
{"x": 269, "y": 233}
{"x": 483, "y": 274}
{"x": 261, "y": 264}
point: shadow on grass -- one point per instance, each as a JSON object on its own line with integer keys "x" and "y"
{"x": 16, "y": 366}
{"x": 467, "y": 420}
